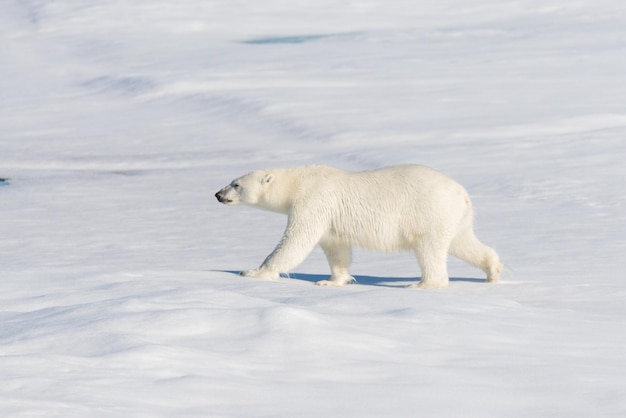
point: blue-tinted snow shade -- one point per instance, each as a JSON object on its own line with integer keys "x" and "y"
{"x": 285, "y": 39}
{"x": 125, "y": 85}
{"x": 4, "y": 182}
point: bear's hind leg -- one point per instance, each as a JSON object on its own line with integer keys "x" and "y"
{"x": 469, "y": 248}
{"x": 433, "y": 261}
{"x": 339, "y": 257}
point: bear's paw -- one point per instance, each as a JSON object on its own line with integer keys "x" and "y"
{"x": 260, "y": 274}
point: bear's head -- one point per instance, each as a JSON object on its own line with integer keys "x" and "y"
{"x": 247, "y": 190}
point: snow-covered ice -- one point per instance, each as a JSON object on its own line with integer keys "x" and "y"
{"x": 118, "y": 287}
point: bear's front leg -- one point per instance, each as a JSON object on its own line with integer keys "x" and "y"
{"x": 339, "y": 257}
{"x": 337, "y": 281}
{"x": 296, "y": 244}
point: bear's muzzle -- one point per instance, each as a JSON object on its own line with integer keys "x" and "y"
{"x": 220, "y": 197}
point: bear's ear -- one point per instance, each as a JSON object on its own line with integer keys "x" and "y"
{"x": 267, "y": 179}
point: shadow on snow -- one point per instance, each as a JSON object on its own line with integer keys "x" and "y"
{"x": 365, "y": 280}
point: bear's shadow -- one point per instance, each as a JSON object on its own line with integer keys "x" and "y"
{"x": 366, "y": 280}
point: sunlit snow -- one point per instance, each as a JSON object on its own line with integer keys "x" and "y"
{"x": 118, "y": 288}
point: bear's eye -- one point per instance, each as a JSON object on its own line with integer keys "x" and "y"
{"x": 236, "y": 186}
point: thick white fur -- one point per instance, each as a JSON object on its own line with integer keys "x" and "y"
{"x": 405, "y": 207}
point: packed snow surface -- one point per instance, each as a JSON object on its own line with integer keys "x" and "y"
{"x": 119, "y": 293}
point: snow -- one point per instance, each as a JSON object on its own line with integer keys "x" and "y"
{"x": 118, "y": 287}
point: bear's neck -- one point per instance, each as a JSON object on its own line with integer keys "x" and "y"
{"x": 283, "y": 190}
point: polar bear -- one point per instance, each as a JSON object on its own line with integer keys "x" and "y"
{"x": 404, "y": 207}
